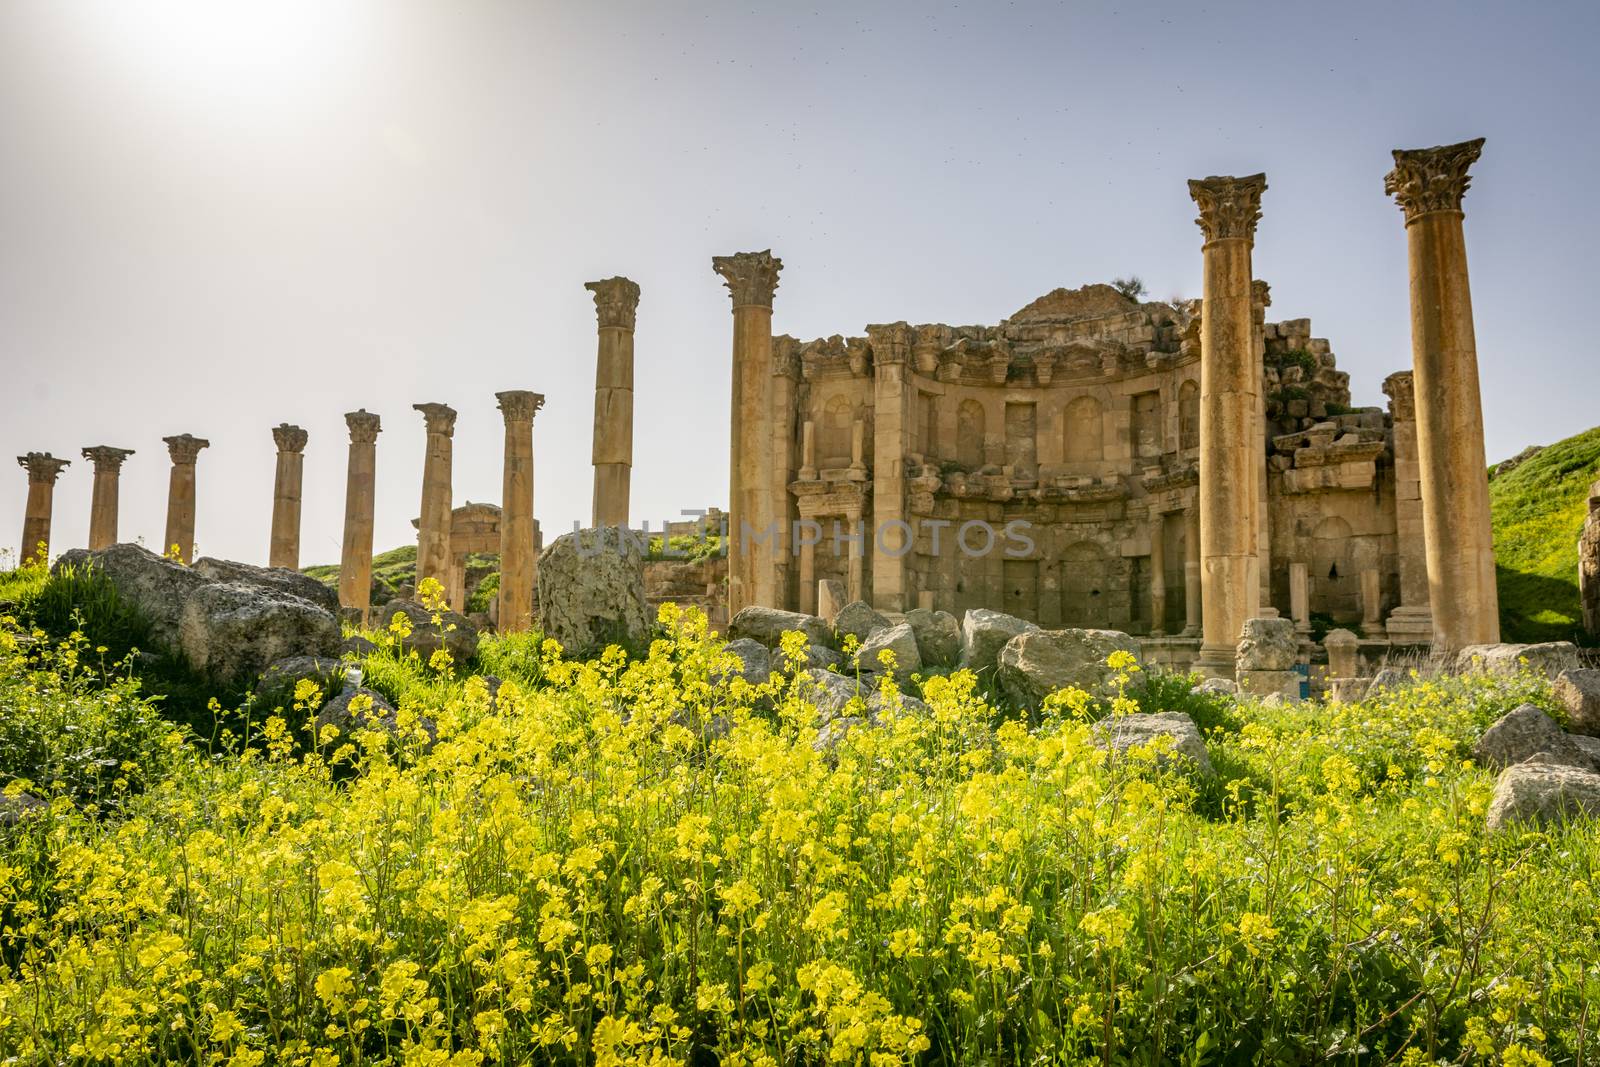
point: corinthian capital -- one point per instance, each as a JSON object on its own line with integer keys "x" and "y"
{"x": 185, "y": 448}
{"x": 891, "y": 342}
{"x": 364, "y": 426}
{"x": 1229, "y": 207}
{"x": 289, "y": 438}
{"x": 751, "y": 277}
{"x": 616, "y": 301}
{"x": 1425, "y": 180}
{"x": 1402, "y": 396}
{"x": 519, "y": 405}
{"x": 441, "y": 418}
{"x": 42, "y": 466}
{"x": 106, "y": 458}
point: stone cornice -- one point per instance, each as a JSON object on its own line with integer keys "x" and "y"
{"x": 616, "y": 301}
{"x": 441, "y": 418}
{"x": 42, "y": 466}
{"x": 1229, "y": 207}
{"x": 751, "y": 277}
{"x": 185, "y": 448}
{"x": 364, "y": 426}
{"x": 519, "y": 405}
{"x": 106, "y": 458}
{"x": 289, "y": 438}
{"x": 1425, "y": 180}
{"x": 1400, "y": 389}
{"x": 891, "y": 343}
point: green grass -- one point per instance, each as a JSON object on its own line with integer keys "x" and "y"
{"x": 398, "y": 566}
{"x": 1538, "y": 510}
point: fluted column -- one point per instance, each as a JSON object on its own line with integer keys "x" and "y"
{"x": 1229, "y": 489}
{"x": 107, "y": 489}
{"x": 517, "y": 563}
{"x": 753, "y": 543}
{"x": 1411, "y": 622}
{"x": 616, "y": 303}
{"x": 433, "y": 525}
{"x": 179, "y": 538}
{"x": 1429, "y": 184}
{"x": 284, "y": 550}
{"x": 43, "y": 470}
{"x": 355, "y": 558}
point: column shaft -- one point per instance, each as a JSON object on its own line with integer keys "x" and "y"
{"x": 616, "y": 304}
{"x": 284, "y": 550}
{"x": 43, "y": 470}
{"x": 516, "y": 512}
{"x": 887, "y": 537}
{"x": 1191, "y": 571}
{"x": 107, "y": 484}
{"x": 433, "y": 524}
{"x": 1158, "y": 573}
{"x": 184, "y": 450}
{"x": 355, "y": 559}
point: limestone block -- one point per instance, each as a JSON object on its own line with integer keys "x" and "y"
{"x": 984, "y": 633}
{"x": 1267, "y": 645}
{"x": 899, "y": 639}
{"x": 1285, "y": 684}
{"x": 232, "y": 632}
{"x": 1036, "y": 663}
{"x": 591, "y": 591}
{"x": 859, "y": 620}
{"x": 1343, "y": 653}
{"x": 755, "y": 663}
{"x": 1121, "y": 733}
{"x": 830, "y": 598}
{"x": 1523, "y": 733}
{"x": 1579, "y": 693}
{"x": 272, "y": 578}
{"x": 938, "y": 636}
{"x": 1542, "y": 793}
{"x": 454, "y": 632}
{"x": 1549, "y": 658}
{"x": 768, "y": 625}
{"x": 157, "y": 587}
{"x": 828, "y": 692}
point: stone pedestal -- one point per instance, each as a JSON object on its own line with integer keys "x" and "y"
{"x": 1265, "y": 658}
{"x": 1429, "y": 185}
{"x": 285, "y": 547}
{"x": 1411, "y": 622}
{"x": 433, "y": 527}
{"x": 616, "y": 304}
{"x": 1343, "y": 654}
{"x": 753, "y": 539}
{"x": 1229, "y": 383}
{"x": 43, "y": 470}
{"x": 355, "y": 559}
{"x": 518, "y": 574}
{"x": 107, "y": 490}
{"x": 179, "y": 537}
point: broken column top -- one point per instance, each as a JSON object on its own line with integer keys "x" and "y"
{"x": 289, "y": 438}
{"x": 1229, "y": 207}
{"x": 185, "y": 448}
{"x": 751, "y": 277}
{"x": 364, "y": 426}
{"x": 616, "y": 301}
{"x": 520, "y": 405}
{"x": 1425, "y": 180}
{"x": 42, "y": 466}
{"x": 441, "y": 418}
{"x": 105, "y": 457}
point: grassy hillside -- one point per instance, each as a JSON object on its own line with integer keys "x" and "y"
{"x": 1539, "y": 505}
{"x": 396, "y": 567}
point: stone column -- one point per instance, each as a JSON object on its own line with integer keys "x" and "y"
{"x": 355, "y": 560}
{"x": 785, "y": 509}
{"x": 1191, "y": 571}
{"x": 1229, "y": 487}
{"x": 1589, "y": 564}
{"x": 1429, "y": 184}
{"x": 433, "y": 525}
{"x": 43, "y": 470}
{"x": 1372, "y": 603}
{"x": 1158, "y": 574}
{"x": 1260, "y": 300}
{"x": 888, "y": 539}
{"x": 1411, "y": 622}
{"x": 751, "y": 278}
{"x": 107, "y": 485}
{"x": 184, "y": 450}
{"x": 517, "y": 562}
{"x": 1300, "y": 598}
{"x": 616, "y": 304}
{"x": 285, "y": 548}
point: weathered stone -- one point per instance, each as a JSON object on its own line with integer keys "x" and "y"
{"x": 830, "y": 598}
{"x": 857, "y": 619}
{"x": 1267, "y": 645}
{"x": 768, "y": 625}
{"x": 827, "y": 691}
{"x": 1549, "y": 658}
{"x": 278, "y": 681}
{"x": 1539, "y": 794}
{"x": 1343, "y": 657}
{"x": 1036, "y": 663}
{"x": 898, "y": 639}
{"x": 1285, "y": 684}
{"x": 877, "y": 702}
{"x": 834, "y": 731}
{"x": 1217, "y": 687}
{"x": 380, "y": 716}
{"x": 823, "y": 656}
{"x": 755, "y": 662}
{"x": 453, "y": 632}
{"x": 1388, "y": 679}
{"x": 15, "y": 807}
{"x": 938, "y": 636}
{"x": 231, "y": 632}
{"x": 156, "y": 587}
{"x": 1123, "y": 732}
{"x": 272, "y": 579}
{"x": 1579, "y": 693}
{"x": 1525, "y": 732}
{"x": 591, "y": 591}
{"x": 984, "y": 633}
{"x": 356, "y": 645}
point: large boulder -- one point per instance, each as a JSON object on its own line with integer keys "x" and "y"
{"x": 1267, "y": 645}
{"x": 272, "y": 579}
{"x": 232, "y": 632}
{"x": 1523, "y": 733}
{"x": 898, "y": 639}
{"x": 277, "y": 683}
{"x": 938, "y": 636}
{"x": 380, "y": 715}
{"x": 1036, "y": 663}
{"x": 857, "y": 619}
{"x": 591, "y": 591}
{"x": 1579, "y": 693}
{"x": 1540, "y": 793}
{"x": 827, "y": 691}
{"x": 1549, "y": 658}
{"x": 453, "y": 632}
{"x": 155, "y": 586}
{"x": 768, "y": 625}
{"x": 755, "y": 662}
{"x": 1123, "y": 732}
{"x": 984, "y": 633}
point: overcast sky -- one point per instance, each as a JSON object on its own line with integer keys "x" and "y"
{"x": 218, "y": 216}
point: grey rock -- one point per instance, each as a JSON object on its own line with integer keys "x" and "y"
{"x": 1388, "y": 679}
{"x": 591, "y": 591}
{"x": 1525, "y": 732}
{"x": 13, "y": 809}
{"x": 357, "y": 646}
{"x": 898, "y": 639}
{"x": 281, "y": 676}
{"x": 1541, "y": 793}
{"x": 938, "y": 636}
{"x": 155, "y": 586}
{"x": 1217, "y": 686}
{"x": 1267, "y": 645}
{"x": 381, "y": 716}
{"x": 754, "y": 659}
{"x": 1549, "y": 658}
{"x": 833, "y": 732}
{"x": 828, "y": 692}
{"x": 452, "y": 632}
{"x": 271, "y": 579}
{"x": 231, "y": 632}
{"x": 877, "y": 702}
{"x": 768, "y": 625}
{"x": 1579, "y": 693}
{"x": 857, "y": 619}
{"x": 984, "y": 633}
{"x": 1123, "y": 732}
{"x": 1036, "y": 663}
{"x": 822, "y": 656}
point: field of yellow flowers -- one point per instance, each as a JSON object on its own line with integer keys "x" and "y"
{"x": 636, "y": 861}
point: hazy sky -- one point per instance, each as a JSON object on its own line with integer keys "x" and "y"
{"x": 217, "y": 216}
